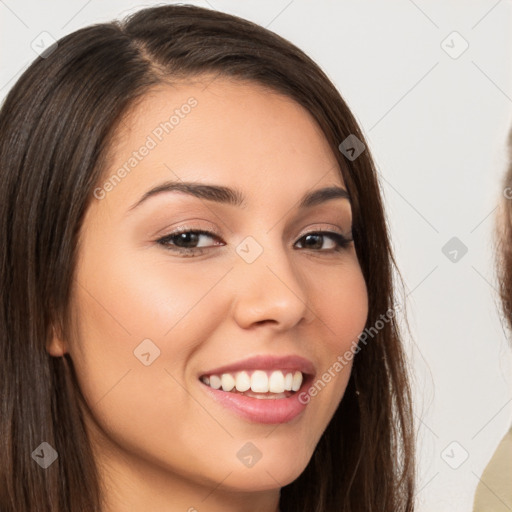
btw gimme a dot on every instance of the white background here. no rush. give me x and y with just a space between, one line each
437 128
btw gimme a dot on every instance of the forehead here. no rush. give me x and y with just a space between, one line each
225 131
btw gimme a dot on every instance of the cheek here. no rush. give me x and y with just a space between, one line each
138 295
131 306
133 403
340 301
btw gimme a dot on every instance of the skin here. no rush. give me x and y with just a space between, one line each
161 443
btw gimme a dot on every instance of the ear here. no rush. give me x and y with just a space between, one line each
56 346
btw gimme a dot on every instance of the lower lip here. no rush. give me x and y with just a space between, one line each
262 410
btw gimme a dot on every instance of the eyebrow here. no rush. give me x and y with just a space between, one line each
233 196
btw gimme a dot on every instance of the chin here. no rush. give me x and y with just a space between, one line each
276 472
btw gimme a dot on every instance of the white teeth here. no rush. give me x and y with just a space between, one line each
243 381
228 382
215 382
259 382
297 381
274 382
288 381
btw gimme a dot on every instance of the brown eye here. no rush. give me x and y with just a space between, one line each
315 241
186 241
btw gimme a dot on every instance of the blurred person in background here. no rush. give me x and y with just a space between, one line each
494 492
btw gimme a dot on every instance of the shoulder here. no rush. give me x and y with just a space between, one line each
494 491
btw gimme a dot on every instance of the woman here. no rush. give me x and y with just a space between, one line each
171 337
494 491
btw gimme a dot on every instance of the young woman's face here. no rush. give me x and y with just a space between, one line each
160 315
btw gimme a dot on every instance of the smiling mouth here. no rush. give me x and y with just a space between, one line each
261 384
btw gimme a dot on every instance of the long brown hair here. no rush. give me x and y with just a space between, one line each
56 125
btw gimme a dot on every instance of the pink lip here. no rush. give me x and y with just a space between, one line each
266 362
269 411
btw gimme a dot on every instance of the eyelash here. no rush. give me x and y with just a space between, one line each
341 241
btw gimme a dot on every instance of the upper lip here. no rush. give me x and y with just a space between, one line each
266 362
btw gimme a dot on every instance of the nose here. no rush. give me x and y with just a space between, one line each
271 290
